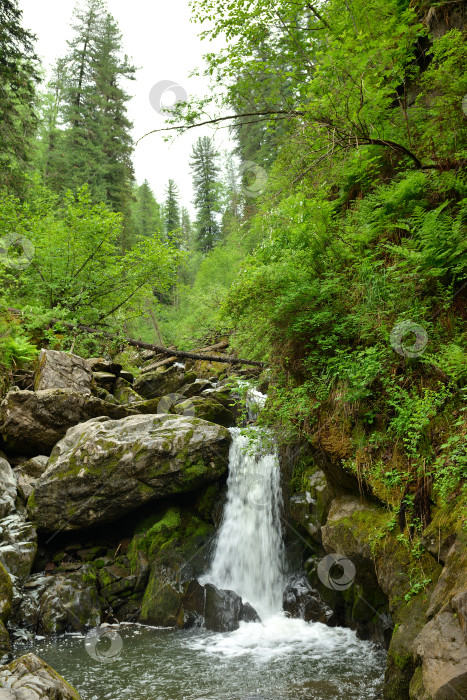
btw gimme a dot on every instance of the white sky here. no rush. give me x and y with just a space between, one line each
159 37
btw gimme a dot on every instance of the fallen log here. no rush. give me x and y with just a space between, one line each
156 348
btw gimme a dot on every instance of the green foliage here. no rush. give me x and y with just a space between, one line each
78 269
207 193
18 79
16 348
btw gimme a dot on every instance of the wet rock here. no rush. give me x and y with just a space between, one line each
161 602
441 650
222 609
61 370
7 488
18 546
160 383
193 603
30 678
300 600
59 603
31 422
103 468
206 409
249 614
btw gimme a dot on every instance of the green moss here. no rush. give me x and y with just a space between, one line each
6 595
207 500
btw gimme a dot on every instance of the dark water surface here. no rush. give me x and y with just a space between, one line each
281 659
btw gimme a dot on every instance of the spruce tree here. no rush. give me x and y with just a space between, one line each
18 79
146 212
172 210
95 146
207 189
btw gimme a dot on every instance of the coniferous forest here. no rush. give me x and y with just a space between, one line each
322 261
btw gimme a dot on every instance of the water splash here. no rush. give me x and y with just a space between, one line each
249 555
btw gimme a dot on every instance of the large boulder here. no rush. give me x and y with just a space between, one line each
224 610
160 383
441 650
30 678
31 423
103 469
62 370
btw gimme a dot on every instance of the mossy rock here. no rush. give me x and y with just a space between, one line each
172 541
124 392
5 643
207 409
161 603
29 671
152 384
103 469
6 594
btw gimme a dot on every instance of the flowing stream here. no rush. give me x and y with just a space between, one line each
276 659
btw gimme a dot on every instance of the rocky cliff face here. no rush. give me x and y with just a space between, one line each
410 595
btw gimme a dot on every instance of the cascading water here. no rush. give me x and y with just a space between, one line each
279 658
249 556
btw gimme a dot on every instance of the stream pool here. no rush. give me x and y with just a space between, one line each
280 659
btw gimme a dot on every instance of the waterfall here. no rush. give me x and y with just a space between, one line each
249 554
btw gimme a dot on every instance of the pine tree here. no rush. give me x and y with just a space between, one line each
172 210
207 192
146 212
18 79
95 147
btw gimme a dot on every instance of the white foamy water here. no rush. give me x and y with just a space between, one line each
249 555
279 636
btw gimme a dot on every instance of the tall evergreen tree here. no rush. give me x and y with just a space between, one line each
146 212
207 189
95 146
172 209
18 79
